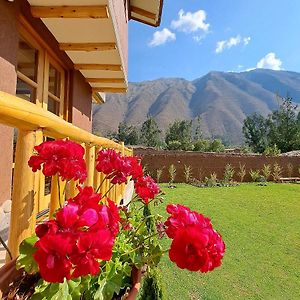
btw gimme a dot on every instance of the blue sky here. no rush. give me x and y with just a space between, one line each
198 36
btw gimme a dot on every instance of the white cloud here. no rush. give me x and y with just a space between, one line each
161 37
231 42
190 22
246 40
270 61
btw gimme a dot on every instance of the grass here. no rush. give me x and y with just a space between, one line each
261 229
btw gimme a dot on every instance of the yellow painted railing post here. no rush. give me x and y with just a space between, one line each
23 212
57 194
90 163
97 175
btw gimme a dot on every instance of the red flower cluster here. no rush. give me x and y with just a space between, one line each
196 246
82 233
146 188
117 167
64 158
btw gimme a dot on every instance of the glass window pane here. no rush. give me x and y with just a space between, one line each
27 60
53 106
25 91
54 81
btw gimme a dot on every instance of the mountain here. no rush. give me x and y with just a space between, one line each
221 99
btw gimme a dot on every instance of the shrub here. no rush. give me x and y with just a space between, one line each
266 171
290 169
172 174
242 172
228 173
159 174
187 173
212 180
272 150
217 146
202 145
277 171
254 175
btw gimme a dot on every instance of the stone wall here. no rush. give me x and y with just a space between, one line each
204 164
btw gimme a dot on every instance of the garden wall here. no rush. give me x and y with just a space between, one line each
204 164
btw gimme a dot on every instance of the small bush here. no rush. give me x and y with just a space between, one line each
211 181
242 172
159 174
266 171
277 171
228 173
272 150
172 174
255 175
187 173
290 169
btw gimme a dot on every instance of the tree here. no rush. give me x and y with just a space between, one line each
255 132
284 126
280 129
127 134
179 134
150 133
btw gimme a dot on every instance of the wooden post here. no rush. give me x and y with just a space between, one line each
90 162
23 212
97 175
57 195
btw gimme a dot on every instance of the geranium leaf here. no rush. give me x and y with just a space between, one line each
25 259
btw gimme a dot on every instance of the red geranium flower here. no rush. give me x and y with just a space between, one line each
146 188
182 216
64 158
49 227
90 249
136 169
51 256
197 249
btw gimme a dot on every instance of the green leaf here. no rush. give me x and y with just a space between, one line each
25 259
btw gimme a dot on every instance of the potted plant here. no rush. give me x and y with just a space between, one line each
92 249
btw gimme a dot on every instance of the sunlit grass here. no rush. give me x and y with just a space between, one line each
261 229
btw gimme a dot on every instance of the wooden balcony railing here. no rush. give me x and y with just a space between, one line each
28 194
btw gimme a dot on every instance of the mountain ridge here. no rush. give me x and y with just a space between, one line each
221 99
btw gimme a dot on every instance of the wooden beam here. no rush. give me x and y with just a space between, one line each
94 12
143 12
109 90
105 80
87 46
103 67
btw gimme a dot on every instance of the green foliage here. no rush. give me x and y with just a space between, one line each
266 171
172 173
217 146
127 134
290 169
281 129
272 150
228 173
152 288
277 172
179 136
255 131
255 175
242 172
202 145
25 259
187 173
150 133
68 290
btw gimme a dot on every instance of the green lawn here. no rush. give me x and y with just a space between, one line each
261 229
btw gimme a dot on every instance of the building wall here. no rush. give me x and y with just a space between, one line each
8 79
81 102
204 164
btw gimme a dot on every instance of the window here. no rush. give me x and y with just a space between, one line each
41 79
